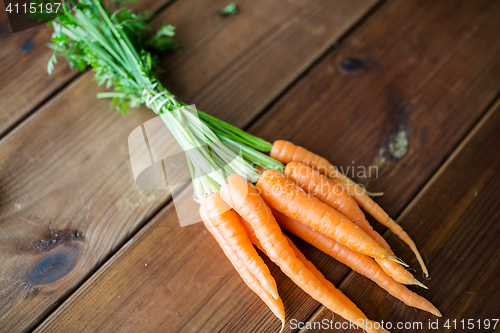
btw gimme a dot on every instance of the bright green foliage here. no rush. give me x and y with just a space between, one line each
229 10
115 45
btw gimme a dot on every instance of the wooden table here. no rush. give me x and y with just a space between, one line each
409 86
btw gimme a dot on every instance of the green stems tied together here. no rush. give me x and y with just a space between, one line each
121 55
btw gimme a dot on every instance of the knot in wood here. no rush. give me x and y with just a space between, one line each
54 265
350 65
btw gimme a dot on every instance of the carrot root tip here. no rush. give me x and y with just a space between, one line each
403 263
420 284
435 311
282 325
374 194
399 261
404 236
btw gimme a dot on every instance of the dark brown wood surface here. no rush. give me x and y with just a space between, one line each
428 80
23 69
455 222
65 179
233 67
425 71
23 64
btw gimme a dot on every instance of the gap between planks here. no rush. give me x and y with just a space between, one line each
490 110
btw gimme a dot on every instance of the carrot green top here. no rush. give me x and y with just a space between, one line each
116 46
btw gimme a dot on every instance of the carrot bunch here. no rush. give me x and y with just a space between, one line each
309 197
321 209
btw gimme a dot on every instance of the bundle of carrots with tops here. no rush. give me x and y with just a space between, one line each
252 190
317 209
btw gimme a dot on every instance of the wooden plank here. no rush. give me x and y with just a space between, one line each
23 69
459 236
23 64
67 200
395 83
272 37
189 285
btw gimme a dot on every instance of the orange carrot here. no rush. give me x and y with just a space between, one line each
247 202
285 152
360 263
340 295
343 298
251 235
229 226
285 196
372 208
275 305
325 190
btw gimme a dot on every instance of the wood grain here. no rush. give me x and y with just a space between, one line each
68 197
396 86
432 80
23 69
271 36
455 221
